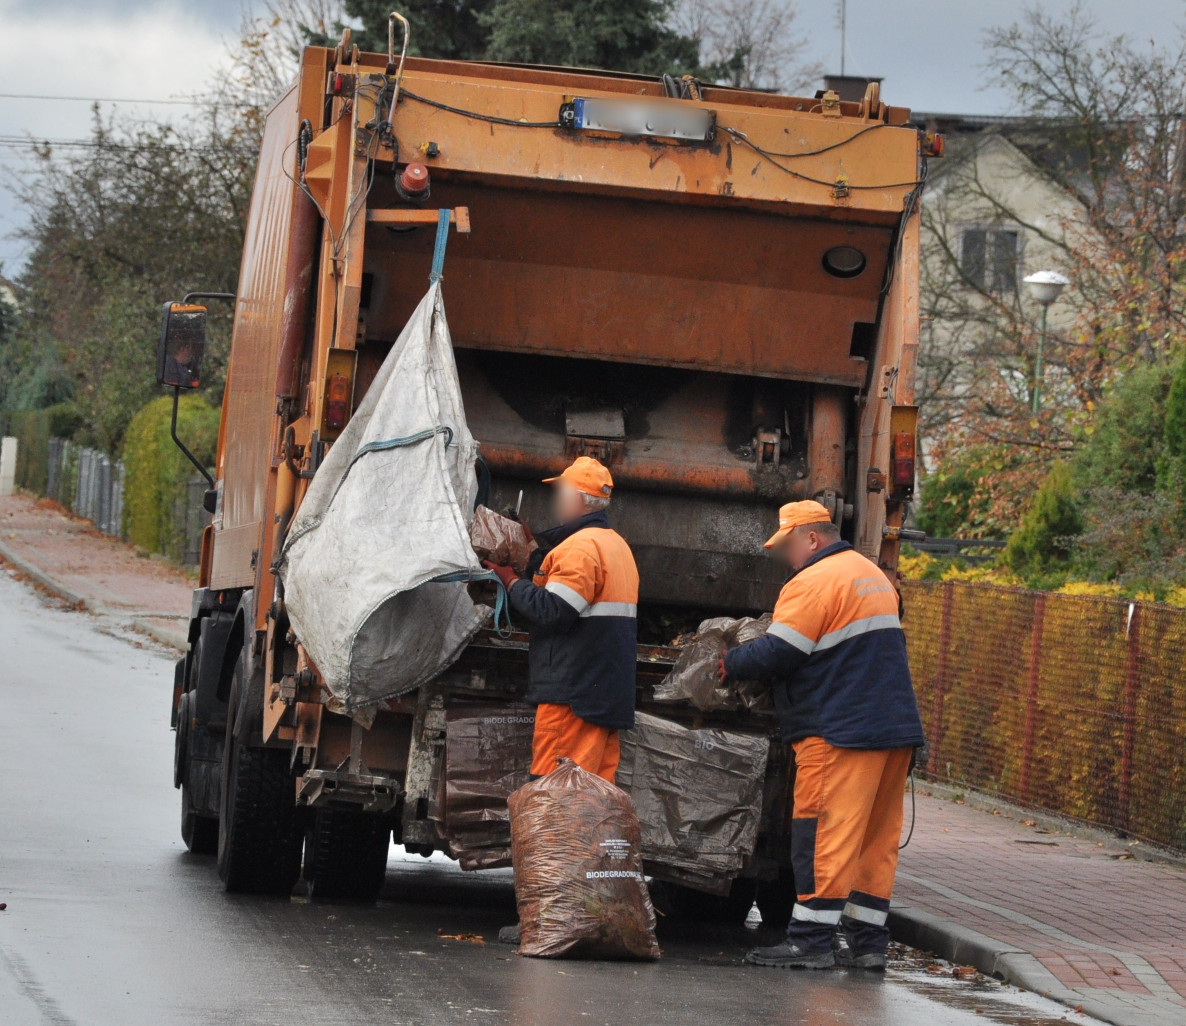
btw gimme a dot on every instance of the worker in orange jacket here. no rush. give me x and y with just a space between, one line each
836 657
581 606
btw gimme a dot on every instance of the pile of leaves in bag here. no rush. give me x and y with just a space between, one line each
501 539
694 676
578 869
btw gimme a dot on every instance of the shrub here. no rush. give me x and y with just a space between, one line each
33 429
1043 545
156 472
1123 447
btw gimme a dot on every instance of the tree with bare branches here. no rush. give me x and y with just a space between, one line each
750 44
1088 180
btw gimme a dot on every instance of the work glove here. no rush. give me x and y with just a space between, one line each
722 673
504 573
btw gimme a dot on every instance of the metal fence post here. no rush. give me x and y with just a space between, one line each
117 500
52 469
1132 689
942 683
103 499
1032 691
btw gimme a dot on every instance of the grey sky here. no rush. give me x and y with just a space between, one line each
928 51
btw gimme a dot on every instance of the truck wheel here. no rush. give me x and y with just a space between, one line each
346 855
199 830
776 898
259 840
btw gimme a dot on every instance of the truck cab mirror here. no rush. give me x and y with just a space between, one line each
181 346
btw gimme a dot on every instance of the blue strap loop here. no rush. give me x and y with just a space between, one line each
502 612
438 253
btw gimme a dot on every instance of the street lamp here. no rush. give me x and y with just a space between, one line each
1045 287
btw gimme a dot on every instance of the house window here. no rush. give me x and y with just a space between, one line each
988 258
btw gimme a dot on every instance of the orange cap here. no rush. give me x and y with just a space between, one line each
588 476
796 514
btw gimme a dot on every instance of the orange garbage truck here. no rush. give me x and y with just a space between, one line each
713 291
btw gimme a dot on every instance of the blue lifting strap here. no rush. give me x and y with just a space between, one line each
438 253
502 613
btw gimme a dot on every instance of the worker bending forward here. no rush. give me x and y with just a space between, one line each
836 657
581 606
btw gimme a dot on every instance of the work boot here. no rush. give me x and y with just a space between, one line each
790 956
509 935
874 961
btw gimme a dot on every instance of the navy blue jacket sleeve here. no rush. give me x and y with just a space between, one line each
541 607
763 658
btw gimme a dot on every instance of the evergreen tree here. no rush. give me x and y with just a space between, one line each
1042 546
619 35
445 29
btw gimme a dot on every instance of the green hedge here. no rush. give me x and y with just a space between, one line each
156 472
33 430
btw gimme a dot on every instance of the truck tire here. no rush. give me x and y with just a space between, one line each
346 855
260 838
197 778
776 898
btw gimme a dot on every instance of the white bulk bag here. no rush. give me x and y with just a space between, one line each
386 514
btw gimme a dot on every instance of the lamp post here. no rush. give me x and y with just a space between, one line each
1044 287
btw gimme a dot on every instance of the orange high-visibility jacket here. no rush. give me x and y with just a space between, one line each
582 610
836 656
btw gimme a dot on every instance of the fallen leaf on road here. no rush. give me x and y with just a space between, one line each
465 938
1028 822
964 972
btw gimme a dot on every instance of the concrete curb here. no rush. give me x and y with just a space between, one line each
170 637
964 946
51 584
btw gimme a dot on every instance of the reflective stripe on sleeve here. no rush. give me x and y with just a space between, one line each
792 637
830 916
567 594
612 609
886 621
873 916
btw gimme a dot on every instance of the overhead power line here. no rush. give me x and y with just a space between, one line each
195 102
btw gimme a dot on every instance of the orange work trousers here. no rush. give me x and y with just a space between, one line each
559 732
849 806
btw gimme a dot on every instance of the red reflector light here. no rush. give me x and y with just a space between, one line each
337 402
934 144
339 83
903 461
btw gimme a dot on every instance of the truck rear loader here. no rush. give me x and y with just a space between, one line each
711 290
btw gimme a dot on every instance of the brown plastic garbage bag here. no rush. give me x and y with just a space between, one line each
578 869
487 756
698 792
694 676
500 539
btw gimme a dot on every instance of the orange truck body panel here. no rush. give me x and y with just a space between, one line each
701 258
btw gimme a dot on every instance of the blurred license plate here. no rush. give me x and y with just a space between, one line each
671 120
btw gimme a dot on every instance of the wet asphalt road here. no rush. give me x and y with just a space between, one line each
110 921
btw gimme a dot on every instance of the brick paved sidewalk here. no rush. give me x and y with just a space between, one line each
100 574
1076 917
